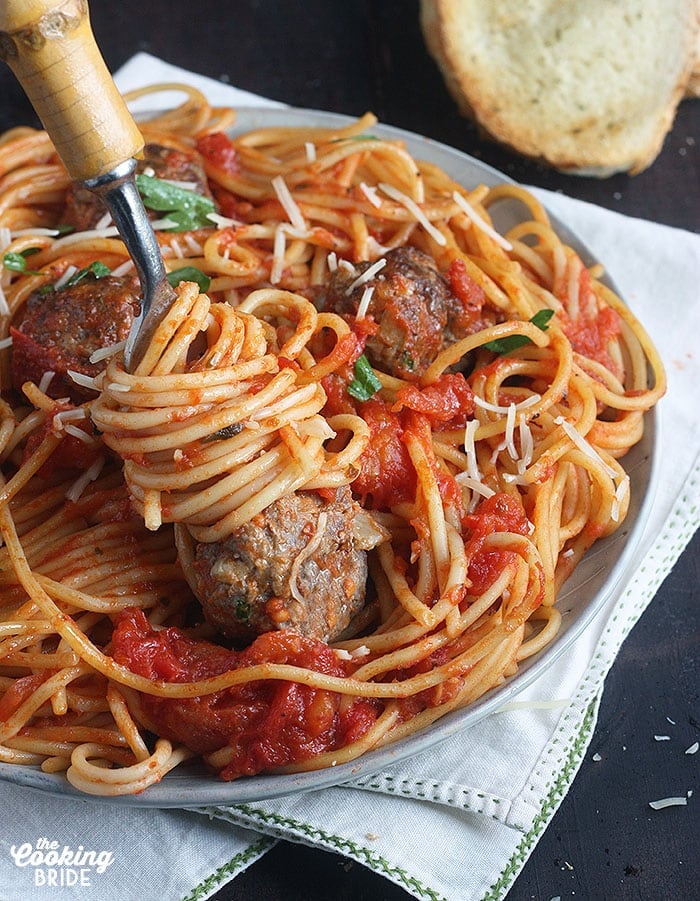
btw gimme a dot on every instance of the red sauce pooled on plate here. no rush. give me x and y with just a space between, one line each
267 723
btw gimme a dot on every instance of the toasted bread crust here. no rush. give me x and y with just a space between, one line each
590 88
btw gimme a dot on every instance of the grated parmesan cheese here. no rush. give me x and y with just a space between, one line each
346 265
67 275
222 221
6 342
527 445
662 738
193 244
85 381
668 802
75 237
365 276
470 450
68 416
370 193
620 492
39 232
332 261
104 353
80 484
415 211
310 149
78 433
474 485
479 221
583 445
45 381
497 408
693 749
510 432
288 203
163 224
278 247
123 268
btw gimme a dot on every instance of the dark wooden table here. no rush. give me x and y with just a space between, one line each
349 57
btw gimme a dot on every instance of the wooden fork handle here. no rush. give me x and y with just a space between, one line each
50 47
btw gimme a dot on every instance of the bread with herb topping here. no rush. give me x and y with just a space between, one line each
588 87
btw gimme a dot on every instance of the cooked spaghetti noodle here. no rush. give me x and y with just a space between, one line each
489 473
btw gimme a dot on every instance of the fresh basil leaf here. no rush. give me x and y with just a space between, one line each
513 342
189 274
187 209
541 319
17 262
96 269
365 384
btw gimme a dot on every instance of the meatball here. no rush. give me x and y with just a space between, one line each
84 209
62 328
299 564
413 306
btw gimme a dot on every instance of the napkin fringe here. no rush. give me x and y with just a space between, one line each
449 794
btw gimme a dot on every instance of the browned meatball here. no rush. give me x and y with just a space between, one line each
263 577
411 304
417 313
62 328
84 209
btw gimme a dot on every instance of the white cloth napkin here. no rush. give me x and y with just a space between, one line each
483 797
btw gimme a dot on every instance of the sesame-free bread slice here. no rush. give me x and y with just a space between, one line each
589 86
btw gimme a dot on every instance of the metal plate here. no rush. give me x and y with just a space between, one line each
592 584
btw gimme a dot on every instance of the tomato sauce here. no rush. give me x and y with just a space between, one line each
448 403
387 476
71 453
591 331
471 295
498 513
219 150
267 723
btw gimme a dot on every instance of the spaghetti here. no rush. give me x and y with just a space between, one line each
486 473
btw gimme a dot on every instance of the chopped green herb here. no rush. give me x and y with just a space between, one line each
512 342
189 274
96 269
186 209
17 262
365 384
242 608
64 229
228 431
407 361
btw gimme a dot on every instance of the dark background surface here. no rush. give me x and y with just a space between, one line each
352 56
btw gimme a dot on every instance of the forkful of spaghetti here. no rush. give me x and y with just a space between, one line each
50 47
